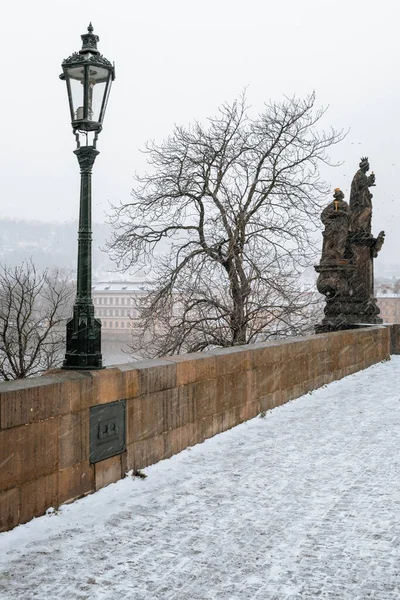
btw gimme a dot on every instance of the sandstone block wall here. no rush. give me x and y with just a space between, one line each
171 404
395 339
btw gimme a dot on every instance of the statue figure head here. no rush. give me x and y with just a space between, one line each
364 164
338 194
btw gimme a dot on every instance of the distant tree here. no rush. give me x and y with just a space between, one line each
33 306
396 287
236 203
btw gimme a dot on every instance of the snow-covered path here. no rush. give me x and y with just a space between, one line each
304 503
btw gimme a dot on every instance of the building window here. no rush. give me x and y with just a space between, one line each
122 301
116 323
122 324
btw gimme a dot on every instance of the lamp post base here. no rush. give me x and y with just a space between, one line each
83 340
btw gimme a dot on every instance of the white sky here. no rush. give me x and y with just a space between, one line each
177 61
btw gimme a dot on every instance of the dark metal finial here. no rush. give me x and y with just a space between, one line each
89 40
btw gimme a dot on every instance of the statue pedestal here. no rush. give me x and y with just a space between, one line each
334 282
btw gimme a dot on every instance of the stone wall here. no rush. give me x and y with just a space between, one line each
395 339
170 404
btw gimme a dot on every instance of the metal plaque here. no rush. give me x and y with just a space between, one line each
107 430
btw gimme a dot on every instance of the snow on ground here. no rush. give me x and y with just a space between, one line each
301 504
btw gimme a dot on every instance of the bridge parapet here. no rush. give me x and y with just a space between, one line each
171 404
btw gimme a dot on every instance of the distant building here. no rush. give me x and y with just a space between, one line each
114 303
389 304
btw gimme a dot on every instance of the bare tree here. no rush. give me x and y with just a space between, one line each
33 308
233 205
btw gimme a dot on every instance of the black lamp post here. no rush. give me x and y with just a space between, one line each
88 76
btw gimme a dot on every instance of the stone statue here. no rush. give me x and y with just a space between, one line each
361 198
336 218
346 270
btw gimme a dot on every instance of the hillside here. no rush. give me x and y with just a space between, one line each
50 244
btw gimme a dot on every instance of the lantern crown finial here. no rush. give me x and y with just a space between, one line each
89 41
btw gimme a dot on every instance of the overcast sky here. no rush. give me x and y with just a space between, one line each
177 61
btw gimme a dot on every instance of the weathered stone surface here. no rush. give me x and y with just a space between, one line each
156 375
74 438
265 354
10 457
232 360
234 389
169 410
267 379
191 368
75 481
38 447
249 410
37 496
197 400
108 386
107 471
75 389
130 380
9 509
395 339
40 398
152 414
39 401
145 452
270 401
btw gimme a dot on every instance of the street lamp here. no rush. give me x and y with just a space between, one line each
88 76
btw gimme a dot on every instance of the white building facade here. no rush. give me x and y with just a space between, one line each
115 304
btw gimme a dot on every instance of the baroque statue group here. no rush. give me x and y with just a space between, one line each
346 273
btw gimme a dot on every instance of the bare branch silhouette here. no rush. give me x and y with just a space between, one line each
33 308
225 217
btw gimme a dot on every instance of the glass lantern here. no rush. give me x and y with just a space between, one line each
88 76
